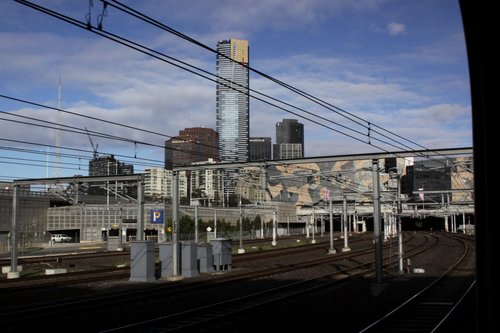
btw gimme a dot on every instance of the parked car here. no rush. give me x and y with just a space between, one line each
60 238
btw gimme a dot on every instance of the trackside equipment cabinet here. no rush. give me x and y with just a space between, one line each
142 261
205 258
222 253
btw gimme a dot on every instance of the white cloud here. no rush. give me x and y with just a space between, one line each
253 16
136 90
440 114
395 29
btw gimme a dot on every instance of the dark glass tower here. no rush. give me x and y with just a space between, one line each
289 139
260 149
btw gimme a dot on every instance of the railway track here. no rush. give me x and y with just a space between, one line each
428 309
322 272
99 271
288 287
123 273
258 243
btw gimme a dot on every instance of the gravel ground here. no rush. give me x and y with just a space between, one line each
352 306
345 308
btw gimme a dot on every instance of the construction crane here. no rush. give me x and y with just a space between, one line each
94 148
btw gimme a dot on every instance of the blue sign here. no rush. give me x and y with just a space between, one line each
157 216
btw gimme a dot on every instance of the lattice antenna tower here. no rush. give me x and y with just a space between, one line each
57 171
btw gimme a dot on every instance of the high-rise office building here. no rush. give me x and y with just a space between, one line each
289 139
108 165
157 183
232 106
260 149
232 100
206 186
283 151
193 144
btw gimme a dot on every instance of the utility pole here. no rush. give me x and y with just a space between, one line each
140 210
400 229
346 247
313 225
14 274
175 222
196 224
273 243
332 248
215 223
241 249
376 220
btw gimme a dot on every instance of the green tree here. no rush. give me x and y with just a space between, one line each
185 201
186 224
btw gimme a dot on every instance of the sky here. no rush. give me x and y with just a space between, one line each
399 66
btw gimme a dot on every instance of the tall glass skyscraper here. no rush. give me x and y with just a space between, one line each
232 107
232 100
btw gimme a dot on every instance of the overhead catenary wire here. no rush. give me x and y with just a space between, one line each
24 101
342 112
81 132
43 152
233 84
145 50
10 162
181 64
78 130
89 152
346 182
329 106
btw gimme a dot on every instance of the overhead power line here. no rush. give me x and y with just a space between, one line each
77 130
369 126
137 160
24 101
202 73
363 137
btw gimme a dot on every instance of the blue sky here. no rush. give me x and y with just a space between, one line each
401 65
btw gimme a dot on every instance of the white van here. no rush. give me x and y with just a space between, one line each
60 238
